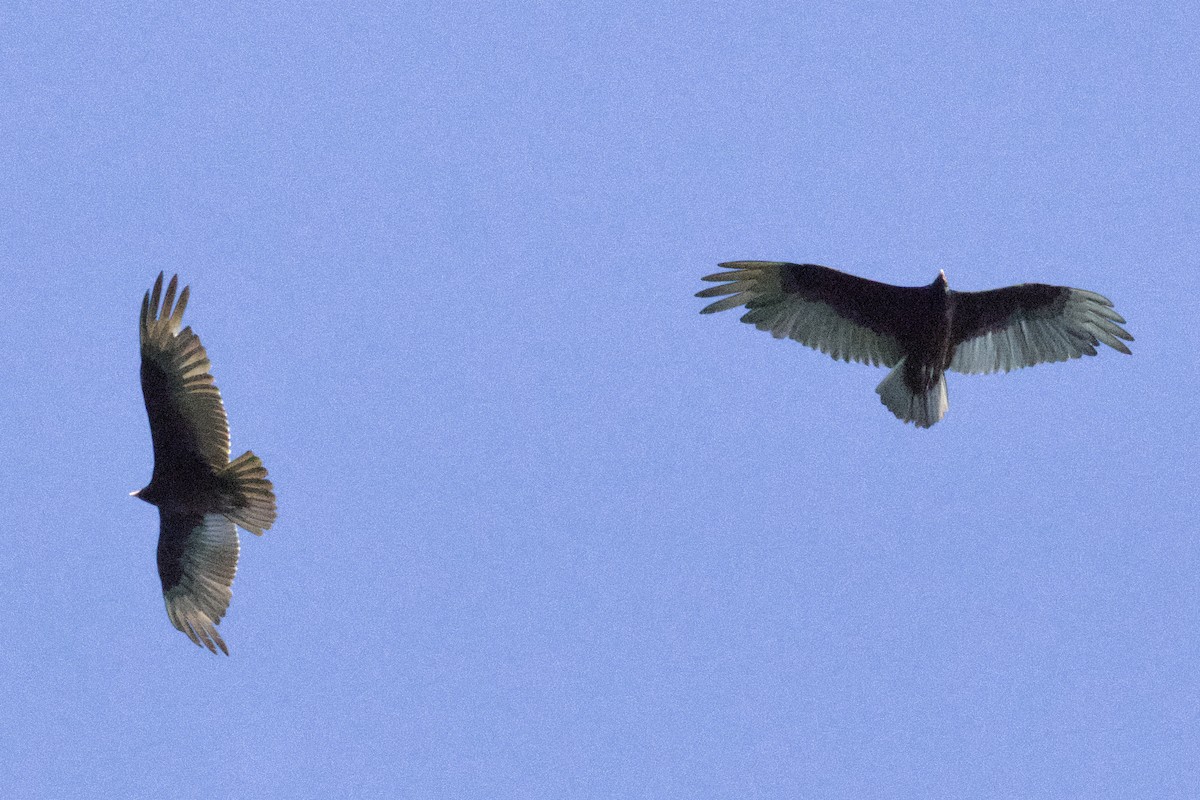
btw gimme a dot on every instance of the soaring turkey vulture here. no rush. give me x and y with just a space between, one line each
919 331
201 495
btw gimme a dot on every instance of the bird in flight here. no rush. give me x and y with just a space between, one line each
201 495
918 331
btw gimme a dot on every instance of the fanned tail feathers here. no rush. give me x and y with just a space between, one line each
924 409
252 496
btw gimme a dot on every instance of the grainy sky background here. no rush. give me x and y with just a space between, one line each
544 530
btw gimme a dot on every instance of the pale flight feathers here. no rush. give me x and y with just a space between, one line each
757 286
184 364
208 564
1070 329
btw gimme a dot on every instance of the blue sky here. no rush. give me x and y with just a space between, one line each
544 530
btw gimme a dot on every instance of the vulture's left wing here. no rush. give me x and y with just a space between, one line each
187 418
1033 323
850 318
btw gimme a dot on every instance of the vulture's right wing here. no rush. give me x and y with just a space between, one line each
1031 323
197 559
850 318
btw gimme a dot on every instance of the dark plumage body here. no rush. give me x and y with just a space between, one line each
200 494
919 331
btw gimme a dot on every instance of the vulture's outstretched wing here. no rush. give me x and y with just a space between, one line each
850 318
1019 326
187 418
197 559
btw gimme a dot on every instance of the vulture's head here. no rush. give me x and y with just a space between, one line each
940 282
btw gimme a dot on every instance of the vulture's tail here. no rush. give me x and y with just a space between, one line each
252 498
922 409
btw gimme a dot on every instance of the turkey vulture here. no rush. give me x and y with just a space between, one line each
201 495
919 331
